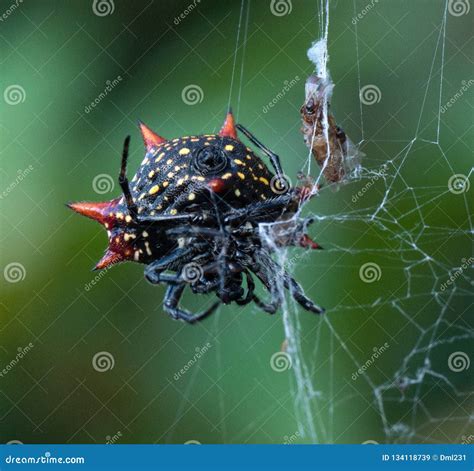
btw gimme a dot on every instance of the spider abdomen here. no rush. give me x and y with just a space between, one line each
180 173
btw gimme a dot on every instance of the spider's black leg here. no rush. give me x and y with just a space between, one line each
264 209
265 274
153 271
271 307
172 297
250 289
159 277
267 265
274 158
123 181
174 219
297 292
194 231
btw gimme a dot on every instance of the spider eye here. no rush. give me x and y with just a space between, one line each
210 160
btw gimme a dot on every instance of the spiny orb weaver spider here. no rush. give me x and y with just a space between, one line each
193 212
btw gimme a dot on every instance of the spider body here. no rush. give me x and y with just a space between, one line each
178 175
193 212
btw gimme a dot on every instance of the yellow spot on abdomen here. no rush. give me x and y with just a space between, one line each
173 212
147 247
191 196
241 175
184 151
264 180
238 162
226 176
154 189
229 147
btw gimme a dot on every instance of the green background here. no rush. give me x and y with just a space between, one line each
62 54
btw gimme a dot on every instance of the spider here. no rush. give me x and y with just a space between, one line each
193 215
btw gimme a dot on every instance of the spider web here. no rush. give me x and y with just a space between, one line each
410 348
401 398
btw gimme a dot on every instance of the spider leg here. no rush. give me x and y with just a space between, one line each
268 266
267 277
153 271
170 305
264 209
274 158
194 231
159 277
298 294
123 181
270 308
194 218
250 289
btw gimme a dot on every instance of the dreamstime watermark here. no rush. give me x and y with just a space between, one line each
465 264
377 352
287 86
370 272
14 272
192 272
291 261
459 361
103 7
370 94
372 180
280 361
44 459
22 352
103 361
280 184
14 442
200 351
88 286
10 10
467 439
370 442
14 95
465 86
22 174
281 7
109 86
192 442
111 439
103 183
459 7
186 12
192 94
458 183
364 11
289 439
